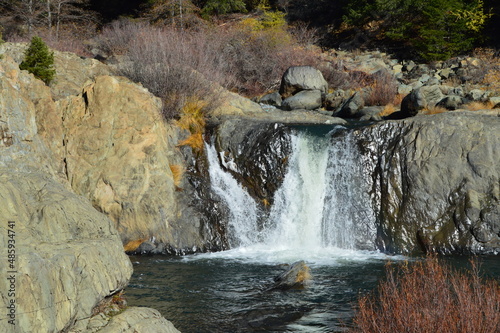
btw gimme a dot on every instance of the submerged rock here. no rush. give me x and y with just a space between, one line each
295 277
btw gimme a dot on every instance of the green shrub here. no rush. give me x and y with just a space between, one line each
39 61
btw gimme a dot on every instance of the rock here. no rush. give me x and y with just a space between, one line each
440 182
258 149
234 104
351 107
404 89
477 95
409 66
69 257
433 81
421 98
451 102
397 69
445 73
334 100
295 277
138 320
424 78
273 99
495 101
370 113
306 100
298 78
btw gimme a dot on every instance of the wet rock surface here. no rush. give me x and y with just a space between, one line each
436 182
255 153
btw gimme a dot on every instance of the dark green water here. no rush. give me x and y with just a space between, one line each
220 294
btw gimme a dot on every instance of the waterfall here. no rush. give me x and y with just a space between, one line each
242 207
322 203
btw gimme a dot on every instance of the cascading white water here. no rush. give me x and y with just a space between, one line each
322 200
242 208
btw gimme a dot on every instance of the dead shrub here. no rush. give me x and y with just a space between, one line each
429 296
176 64
476 106
433 110
383 90
177 173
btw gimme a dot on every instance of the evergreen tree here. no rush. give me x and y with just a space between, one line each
39 61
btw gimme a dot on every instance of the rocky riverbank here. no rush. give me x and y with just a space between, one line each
65 258
90 168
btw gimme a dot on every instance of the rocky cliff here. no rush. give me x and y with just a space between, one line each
61 258
435 180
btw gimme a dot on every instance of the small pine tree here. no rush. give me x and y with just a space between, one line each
39 61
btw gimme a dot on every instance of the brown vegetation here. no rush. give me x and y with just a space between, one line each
133 245
428 296
177 64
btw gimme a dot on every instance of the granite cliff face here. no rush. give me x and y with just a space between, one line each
68 257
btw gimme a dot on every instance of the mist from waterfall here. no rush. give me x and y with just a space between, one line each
322 206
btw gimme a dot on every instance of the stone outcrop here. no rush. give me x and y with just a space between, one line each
437 182
68 256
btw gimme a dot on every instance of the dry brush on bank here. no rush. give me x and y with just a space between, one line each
178 65
429 296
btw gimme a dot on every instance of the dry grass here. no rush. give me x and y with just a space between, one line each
383 90
476 106
133 245
433 110
195 141
177 173
388 109
192 119
428 296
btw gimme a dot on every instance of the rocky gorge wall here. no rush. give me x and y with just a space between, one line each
435 180
65 258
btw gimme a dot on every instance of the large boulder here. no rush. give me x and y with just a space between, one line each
303 100
116 150
425 97
437 182
299 78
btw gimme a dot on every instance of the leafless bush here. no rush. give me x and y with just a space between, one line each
258 60
429 296
178 64
383 90
173 64
304 34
